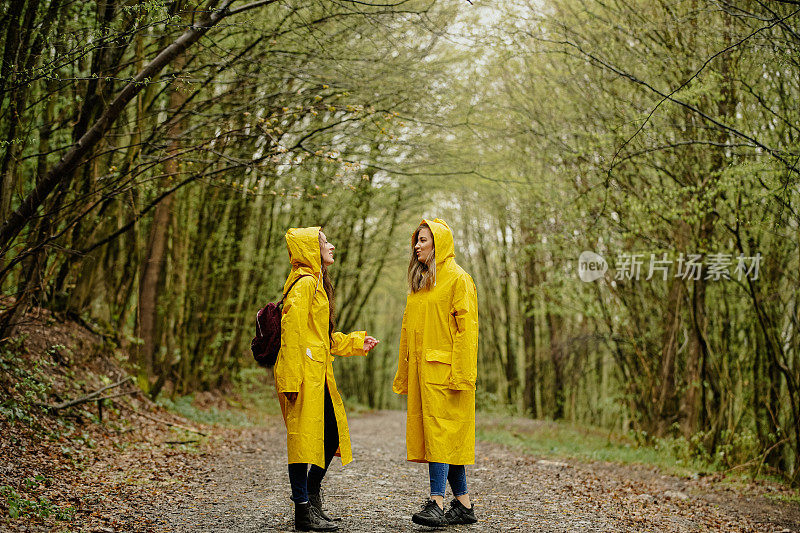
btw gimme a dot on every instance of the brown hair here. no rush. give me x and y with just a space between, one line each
328 286
421 275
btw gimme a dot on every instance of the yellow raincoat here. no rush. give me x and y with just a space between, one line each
438 362
305 359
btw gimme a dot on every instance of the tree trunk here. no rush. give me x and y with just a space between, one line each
558 353
512 377
155 255
528 276
666 409
691 407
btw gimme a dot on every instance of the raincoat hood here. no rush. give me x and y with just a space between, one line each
304 254
442 239
303 245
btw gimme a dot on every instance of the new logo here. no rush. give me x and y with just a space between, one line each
591 266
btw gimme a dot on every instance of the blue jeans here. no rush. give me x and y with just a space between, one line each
305 480
441 473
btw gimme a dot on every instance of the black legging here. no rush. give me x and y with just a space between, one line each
305 480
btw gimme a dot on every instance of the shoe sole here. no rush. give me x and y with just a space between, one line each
462 523
423 522
335 528
329 519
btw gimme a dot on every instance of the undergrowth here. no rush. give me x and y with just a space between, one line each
672 455
36 507
25 385
251 400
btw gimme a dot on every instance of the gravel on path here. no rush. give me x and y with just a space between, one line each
245 488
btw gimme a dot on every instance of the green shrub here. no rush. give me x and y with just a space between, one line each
184 406
492 403
39 507
28 384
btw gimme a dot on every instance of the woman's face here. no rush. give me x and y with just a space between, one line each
326 250
424 245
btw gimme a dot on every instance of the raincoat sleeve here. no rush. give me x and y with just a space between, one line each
347 345
400 384
464 368
294 322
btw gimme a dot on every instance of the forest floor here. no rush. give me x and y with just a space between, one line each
235 480
242 486
142 468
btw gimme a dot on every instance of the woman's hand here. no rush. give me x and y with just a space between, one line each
290 396
370 343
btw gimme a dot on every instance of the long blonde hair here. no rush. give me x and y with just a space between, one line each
421 275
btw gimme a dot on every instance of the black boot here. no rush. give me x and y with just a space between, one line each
306 518
315 499
431 515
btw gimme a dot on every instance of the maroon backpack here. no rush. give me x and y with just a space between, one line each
267 342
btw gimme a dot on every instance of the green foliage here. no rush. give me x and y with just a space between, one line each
576 150
255 395
251 399
492 403
286 123
26 383
37 507
735 449
569 441
185 407
672 455
788 498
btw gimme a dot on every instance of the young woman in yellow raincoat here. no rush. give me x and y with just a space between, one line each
437 369
312 408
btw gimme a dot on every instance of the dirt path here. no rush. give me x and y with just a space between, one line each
244 488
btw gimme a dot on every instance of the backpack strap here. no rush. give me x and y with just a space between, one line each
292 285
280 303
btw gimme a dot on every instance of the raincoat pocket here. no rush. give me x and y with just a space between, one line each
436 369
314 364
